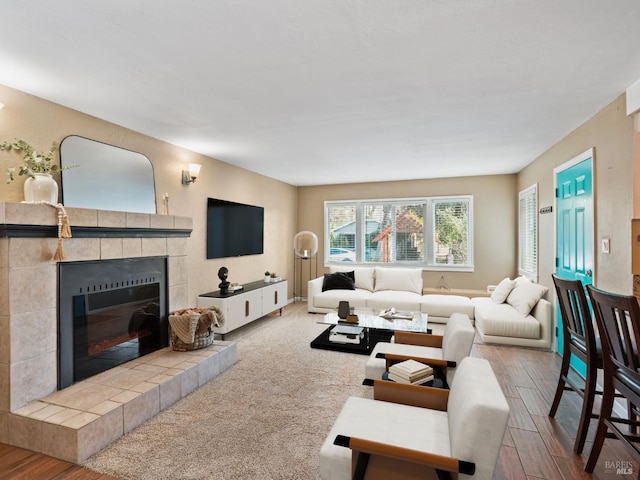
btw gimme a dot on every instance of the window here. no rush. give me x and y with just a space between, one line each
434 232
528 232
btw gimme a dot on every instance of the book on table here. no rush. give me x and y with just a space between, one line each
411 370
418 381
346 334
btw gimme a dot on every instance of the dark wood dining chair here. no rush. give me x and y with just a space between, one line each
579 340
618 320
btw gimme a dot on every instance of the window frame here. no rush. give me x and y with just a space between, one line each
530 194
428 262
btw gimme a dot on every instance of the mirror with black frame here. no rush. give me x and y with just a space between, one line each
107 177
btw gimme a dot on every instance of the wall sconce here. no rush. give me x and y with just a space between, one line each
189 176
1 106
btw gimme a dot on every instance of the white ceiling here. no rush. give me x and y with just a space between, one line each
332 91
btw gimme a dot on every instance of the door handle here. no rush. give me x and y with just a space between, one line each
589 273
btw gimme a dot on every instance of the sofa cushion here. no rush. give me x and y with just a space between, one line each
399 300
446 305
329 299
363 276
338 280
502 290
525 295
503 320
402 279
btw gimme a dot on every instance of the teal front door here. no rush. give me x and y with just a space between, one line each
575 228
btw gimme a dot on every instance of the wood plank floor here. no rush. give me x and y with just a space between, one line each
535 446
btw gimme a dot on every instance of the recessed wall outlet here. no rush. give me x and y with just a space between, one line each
605 245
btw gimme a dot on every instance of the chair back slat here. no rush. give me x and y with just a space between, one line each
618 318
575 311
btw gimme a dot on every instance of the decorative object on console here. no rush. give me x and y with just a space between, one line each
38 167
267 276
274 278
305 246
189 176
223 273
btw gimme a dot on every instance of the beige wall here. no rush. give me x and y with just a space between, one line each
40 122
495 220
289 209
610 133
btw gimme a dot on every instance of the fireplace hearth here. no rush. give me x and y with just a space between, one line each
109 312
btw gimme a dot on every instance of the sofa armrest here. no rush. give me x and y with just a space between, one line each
422 339
314 287
542 312
414 395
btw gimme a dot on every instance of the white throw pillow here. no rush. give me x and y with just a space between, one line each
502 290
525 295
402 279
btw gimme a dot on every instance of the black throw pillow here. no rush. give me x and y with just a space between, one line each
338 281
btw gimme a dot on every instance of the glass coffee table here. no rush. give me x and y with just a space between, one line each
370 329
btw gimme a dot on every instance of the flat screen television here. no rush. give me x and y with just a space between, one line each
234 229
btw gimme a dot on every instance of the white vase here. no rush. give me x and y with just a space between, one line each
41 188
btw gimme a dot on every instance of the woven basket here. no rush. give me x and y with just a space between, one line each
201 340
196 322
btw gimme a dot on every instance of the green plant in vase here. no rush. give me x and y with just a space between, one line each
32 161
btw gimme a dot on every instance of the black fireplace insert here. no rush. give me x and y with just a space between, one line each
109 312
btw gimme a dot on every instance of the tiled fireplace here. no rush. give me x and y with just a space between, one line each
79 420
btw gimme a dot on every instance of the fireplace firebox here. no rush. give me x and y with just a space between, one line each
109 312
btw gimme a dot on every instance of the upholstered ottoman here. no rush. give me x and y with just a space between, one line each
441 307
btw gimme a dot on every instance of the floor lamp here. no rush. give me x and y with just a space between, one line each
305 247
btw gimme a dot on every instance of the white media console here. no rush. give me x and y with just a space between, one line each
254 301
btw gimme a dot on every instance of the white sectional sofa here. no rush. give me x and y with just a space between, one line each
519 317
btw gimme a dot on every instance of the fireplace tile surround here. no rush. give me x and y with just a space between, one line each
76 422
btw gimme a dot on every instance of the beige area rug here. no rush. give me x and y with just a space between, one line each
264 418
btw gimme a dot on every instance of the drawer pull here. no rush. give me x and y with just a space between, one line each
275 297
246 308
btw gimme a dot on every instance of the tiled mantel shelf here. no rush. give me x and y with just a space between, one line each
76 422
